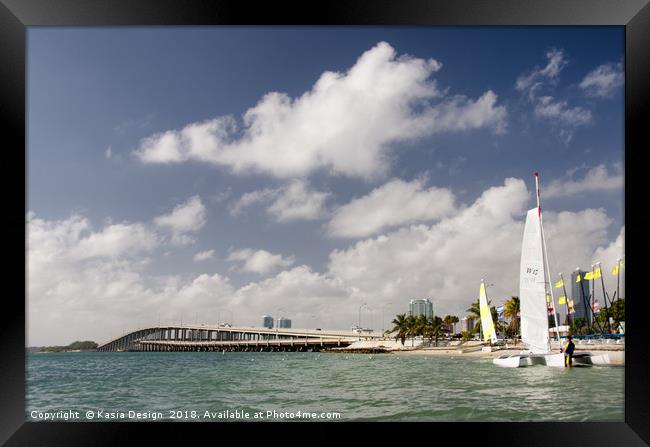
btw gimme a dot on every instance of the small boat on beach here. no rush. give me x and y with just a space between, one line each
535 292
487 325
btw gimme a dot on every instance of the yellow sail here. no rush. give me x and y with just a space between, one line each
489 334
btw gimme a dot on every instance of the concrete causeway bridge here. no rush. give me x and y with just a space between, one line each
200 337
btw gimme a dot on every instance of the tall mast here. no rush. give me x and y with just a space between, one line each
586 303
618 278
602 282
566 300
480 328
547 272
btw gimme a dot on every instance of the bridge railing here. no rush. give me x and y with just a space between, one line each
292 332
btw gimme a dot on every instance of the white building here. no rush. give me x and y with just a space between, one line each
466 324
267 321
284 322
421 307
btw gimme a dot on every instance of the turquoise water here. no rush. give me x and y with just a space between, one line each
357 386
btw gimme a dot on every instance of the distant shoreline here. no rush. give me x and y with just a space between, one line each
77 346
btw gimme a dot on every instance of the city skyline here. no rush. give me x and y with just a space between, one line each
211 170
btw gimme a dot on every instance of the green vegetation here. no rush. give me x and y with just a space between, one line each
511 310
616 311
74 346
434 327
431 328
449 322
400 327
581 326
475 313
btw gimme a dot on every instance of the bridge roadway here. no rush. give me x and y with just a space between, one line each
201 337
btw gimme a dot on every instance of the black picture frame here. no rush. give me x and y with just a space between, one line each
16 15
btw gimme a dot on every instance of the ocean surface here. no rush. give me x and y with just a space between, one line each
293 386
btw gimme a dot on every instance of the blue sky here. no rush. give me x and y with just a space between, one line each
320 186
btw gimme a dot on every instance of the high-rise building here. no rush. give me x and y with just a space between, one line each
466 324
267 321
580 293
284 322
421 307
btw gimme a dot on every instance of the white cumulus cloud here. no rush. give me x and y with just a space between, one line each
203 255
73 297
559 111
547 106
556 61
188 217
598 178
259 261
604 80
608 257
393 204
293 201
446 261
346 124
296 202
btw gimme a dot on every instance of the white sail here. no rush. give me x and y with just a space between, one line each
532 288
489 334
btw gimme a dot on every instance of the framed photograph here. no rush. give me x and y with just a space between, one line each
362 212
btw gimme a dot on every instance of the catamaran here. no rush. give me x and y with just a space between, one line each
535 294
487 325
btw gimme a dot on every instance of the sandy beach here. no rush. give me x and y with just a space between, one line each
451 352
469 349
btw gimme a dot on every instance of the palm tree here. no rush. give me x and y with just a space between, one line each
413 328
420 325
400 327
511 310
434 326
454 320
449 322
475 314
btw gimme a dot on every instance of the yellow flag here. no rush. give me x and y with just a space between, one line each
615 270
597 273
589 275
559 284
562 300
548 299
578 279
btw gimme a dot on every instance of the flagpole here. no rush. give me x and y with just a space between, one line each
479 308
602 282
547 272
618 277
566 300
585 301
593 296
480 328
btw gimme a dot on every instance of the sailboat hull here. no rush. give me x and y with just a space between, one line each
519 360
616 358
522 360
556 360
